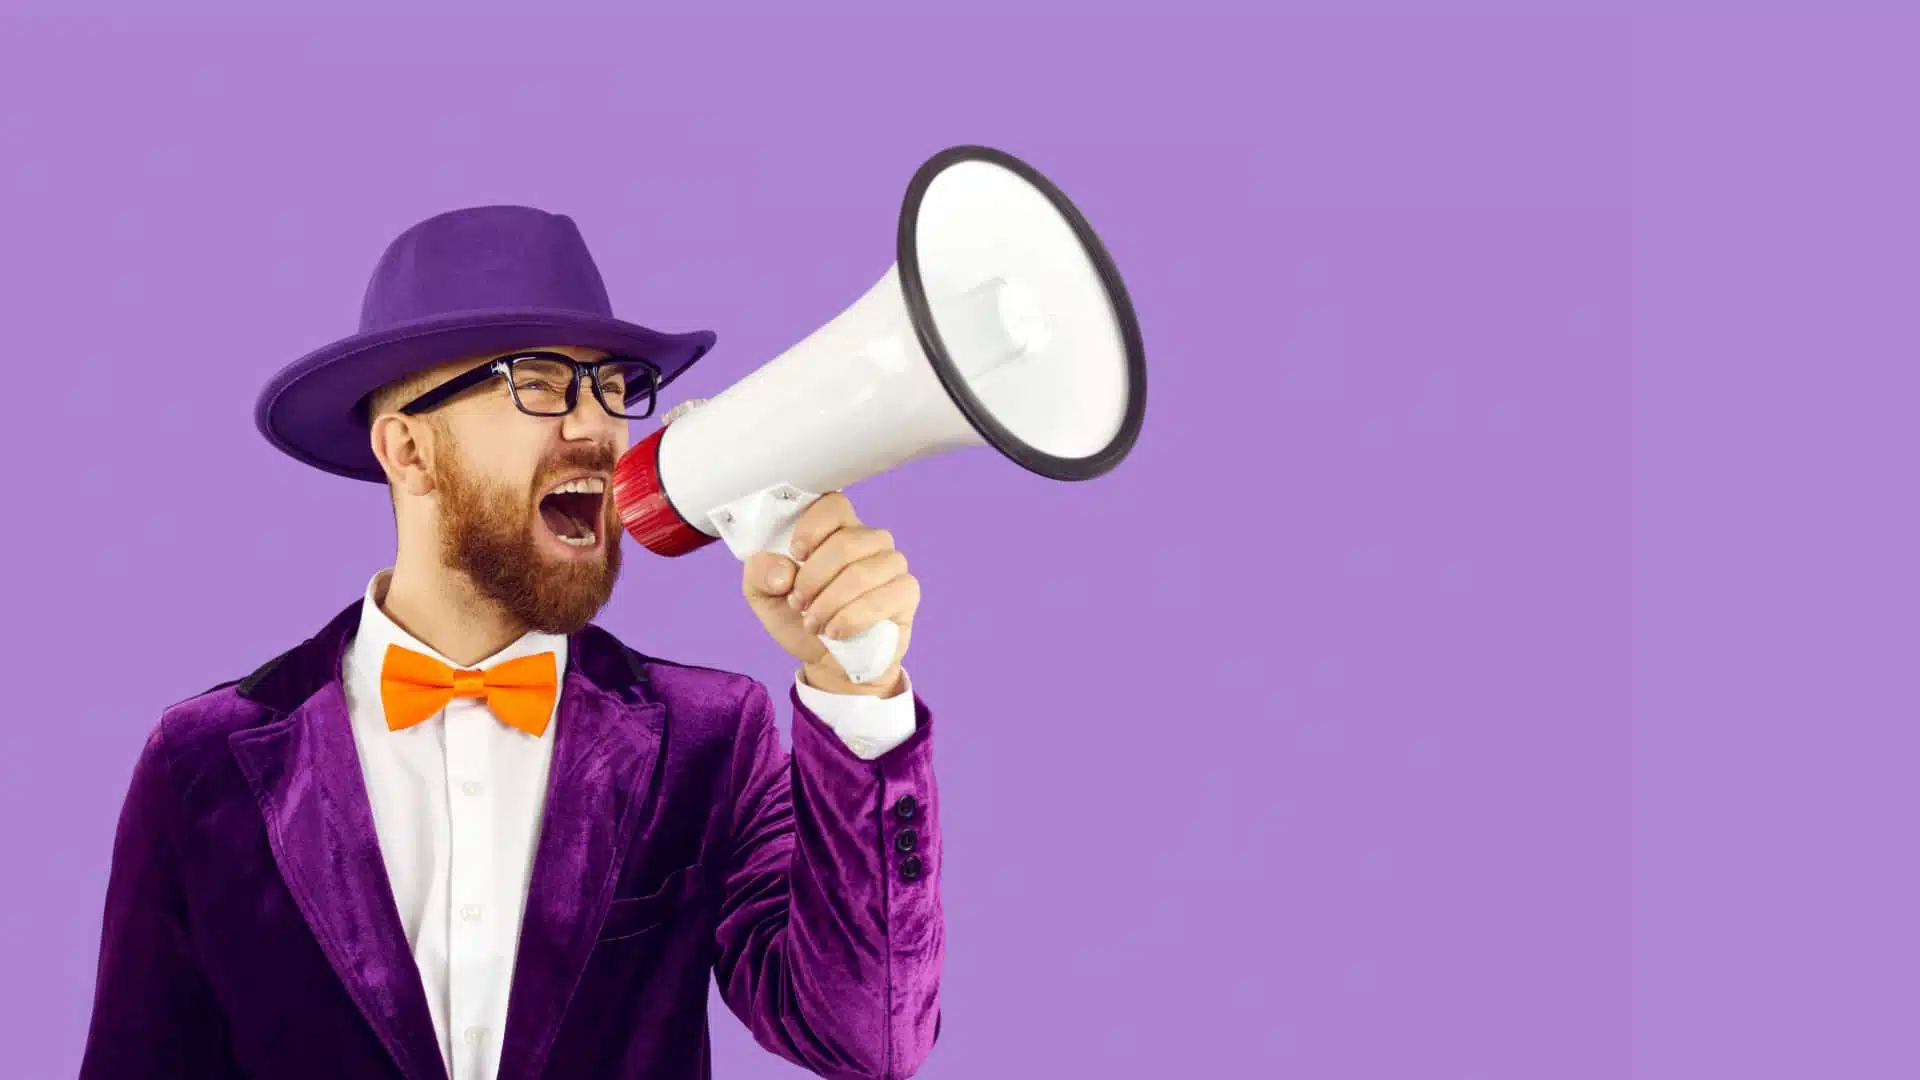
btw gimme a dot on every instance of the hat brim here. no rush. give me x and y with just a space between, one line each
310 409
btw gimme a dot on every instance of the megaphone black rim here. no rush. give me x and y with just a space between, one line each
998 435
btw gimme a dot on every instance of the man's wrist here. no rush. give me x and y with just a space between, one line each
826 677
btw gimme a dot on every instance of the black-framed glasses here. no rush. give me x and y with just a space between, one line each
548 384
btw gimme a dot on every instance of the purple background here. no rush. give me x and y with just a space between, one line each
1776 364
1490 664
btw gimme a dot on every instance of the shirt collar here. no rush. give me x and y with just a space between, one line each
376 631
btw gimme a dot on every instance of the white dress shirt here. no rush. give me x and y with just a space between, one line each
457 802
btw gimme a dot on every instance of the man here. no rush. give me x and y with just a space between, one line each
462 831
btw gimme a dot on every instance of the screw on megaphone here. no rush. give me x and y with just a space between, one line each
681 409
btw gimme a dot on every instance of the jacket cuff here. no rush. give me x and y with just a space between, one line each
900 787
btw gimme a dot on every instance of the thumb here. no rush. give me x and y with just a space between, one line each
768 576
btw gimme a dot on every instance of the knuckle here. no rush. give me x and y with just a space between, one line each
818 592
872 572
821 540
852 585
831 507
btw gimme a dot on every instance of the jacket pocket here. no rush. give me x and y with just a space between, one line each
636 915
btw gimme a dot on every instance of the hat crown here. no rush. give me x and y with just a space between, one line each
484 258
472 282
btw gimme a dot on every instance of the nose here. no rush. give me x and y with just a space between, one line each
588 422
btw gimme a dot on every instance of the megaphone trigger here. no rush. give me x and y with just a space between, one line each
763 521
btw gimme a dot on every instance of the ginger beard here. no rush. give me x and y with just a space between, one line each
501 539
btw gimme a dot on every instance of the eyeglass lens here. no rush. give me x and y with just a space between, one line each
540 385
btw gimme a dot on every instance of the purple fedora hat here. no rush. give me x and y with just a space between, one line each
486 279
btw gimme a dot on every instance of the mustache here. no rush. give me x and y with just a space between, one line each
598 458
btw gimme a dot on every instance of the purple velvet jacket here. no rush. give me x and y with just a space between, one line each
250 930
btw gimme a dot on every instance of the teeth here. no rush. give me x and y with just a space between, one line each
591 485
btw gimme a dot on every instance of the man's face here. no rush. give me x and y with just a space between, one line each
548 557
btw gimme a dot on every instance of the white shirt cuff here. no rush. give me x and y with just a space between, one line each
869 725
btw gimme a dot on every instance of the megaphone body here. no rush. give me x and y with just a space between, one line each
1002 323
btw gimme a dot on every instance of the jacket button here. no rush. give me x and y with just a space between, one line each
905 807
907 840
910 867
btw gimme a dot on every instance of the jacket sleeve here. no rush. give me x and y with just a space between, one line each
154 1017
831 937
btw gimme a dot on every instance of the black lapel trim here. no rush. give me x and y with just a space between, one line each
251 683
284 682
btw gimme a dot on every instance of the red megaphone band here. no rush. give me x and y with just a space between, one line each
645 511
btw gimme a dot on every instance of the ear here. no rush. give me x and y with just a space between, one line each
404 446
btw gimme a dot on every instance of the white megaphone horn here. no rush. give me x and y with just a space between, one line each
1002 323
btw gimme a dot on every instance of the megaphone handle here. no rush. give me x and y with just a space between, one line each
764 521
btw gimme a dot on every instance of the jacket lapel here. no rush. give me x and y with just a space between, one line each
605 760
304 770
305 774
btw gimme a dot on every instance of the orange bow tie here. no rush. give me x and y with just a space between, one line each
520 692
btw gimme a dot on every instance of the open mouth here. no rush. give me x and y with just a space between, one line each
572 511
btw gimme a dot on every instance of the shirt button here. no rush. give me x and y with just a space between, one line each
471 787
471 912
473 1036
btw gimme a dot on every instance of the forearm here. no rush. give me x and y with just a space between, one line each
833 955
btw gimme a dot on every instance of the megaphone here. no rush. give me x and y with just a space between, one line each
1002 323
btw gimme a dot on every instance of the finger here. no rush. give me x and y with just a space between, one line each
855 580
842 549
828 513
767 575
896 600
